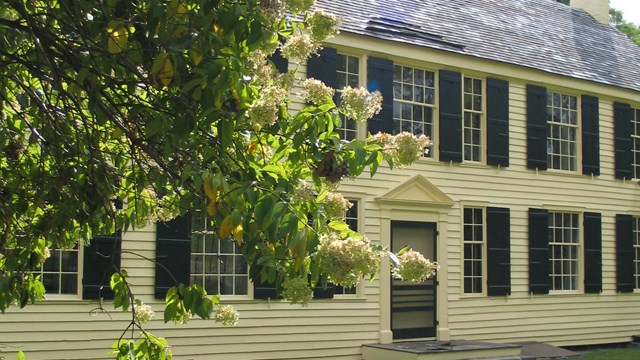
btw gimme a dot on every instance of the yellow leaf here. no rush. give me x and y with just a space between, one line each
118 36
195 55
162 69
209 190
212 208
226 227
217 29
237 234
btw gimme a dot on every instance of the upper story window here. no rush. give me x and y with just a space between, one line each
635 139
414 102
562 131
348 74
474 248
60 273
216 264
564 250
472 118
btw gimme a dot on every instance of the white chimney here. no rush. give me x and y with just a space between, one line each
599 9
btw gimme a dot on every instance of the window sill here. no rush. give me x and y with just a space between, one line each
567 173
565 292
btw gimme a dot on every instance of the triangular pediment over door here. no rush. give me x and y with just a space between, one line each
417 190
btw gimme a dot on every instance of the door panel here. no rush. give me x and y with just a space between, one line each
413 306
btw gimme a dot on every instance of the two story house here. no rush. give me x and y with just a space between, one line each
529 198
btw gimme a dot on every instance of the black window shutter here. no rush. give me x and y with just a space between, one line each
624 253
173 254
538 251
497 122
622 115
101 259
281 64
323 66
590 135
592 253
450 116
498 252
380 78
536 127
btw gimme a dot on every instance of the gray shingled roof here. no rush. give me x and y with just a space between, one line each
540 34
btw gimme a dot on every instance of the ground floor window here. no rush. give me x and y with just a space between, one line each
564 246
473 243
217 264
60 272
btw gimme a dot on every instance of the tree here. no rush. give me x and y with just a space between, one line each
169 107
632 30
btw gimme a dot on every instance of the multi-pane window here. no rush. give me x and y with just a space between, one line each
472 126
564 246
348 75
413 101
636 251
473 243
59 273
351 219
217 264
635 139
562 131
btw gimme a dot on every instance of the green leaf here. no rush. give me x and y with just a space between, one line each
20 355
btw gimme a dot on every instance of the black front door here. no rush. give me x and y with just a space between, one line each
413 306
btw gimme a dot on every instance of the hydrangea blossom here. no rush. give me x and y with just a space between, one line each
415 268
265 109
359 104
299 47
303 192
336 206
323 25
297 291
404 148
316 91
227 315
143 312
273 9
345 261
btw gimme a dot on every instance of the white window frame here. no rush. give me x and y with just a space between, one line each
557 234
555 108
481 257
635 142
399 101
356 291
203 254
467 127
79 273
344 128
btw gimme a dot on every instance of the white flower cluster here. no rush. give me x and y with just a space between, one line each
297 291
265 109
227 315
359 104
143 312
415 268
323 25
404 148
316 91
303 192
335 206
299 47
273 9
345 261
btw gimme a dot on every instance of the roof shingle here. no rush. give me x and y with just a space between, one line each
539 34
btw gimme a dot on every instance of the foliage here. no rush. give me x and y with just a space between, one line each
167 107
630 29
